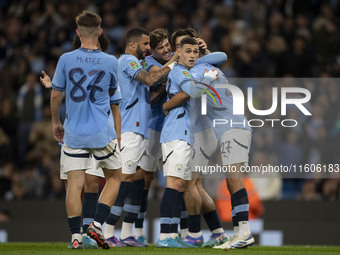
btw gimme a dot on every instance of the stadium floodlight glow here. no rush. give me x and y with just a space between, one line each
238 100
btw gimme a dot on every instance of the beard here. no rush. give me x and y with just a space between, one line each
139 52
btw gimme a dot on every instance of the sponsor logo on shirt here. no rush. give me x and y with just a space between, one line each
144 64
134 65
186 74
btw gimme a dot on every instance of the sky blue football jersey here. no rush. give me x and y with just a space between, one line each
219 104
117 97
215 58
135 104
157 116
86 77
177 123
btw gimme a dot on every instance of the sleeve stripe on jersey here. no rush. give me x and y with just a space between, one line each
149 67
184 81
115 101
137 72
57 88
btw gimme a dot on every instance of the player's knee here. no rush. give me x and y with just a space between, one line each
191 185
127 177
77 187
199 183
177 184
92 183
200 189
182 185
234 184
91 188
149 176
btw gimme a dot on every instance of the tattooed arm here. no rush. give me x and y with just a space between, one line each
151 78
157 74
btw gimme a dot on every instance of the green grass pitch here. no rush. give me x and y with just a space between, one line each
61 248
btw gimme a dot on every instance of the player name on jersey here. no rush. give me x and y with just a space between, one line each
87 60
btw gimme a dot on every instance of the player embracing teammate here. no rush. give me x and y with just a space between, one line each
89 137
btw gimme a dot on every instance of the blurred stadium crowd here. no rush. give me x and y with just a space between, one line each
273 38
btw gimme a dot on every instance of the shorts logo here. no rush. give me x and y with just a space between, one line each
129 164
186 74
179 167
134 65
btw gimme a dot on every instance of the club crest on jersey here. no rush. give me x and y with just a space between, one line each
179 167
144 64
186 74
134 65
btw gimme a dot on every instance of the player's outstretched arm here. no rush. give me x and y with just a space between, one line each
58 130
45 80
153 76
156 94
216 58
173 60
180 98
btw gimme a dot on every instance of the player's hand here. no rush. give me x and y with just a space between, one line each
212 74
171 63
165 108
171 66
45 80
174 57
201 44
162 89
58 132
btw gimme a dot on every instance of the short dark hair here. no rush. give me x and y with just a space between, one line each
157 36
188 40
88 23
180 32
136 33
88 19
